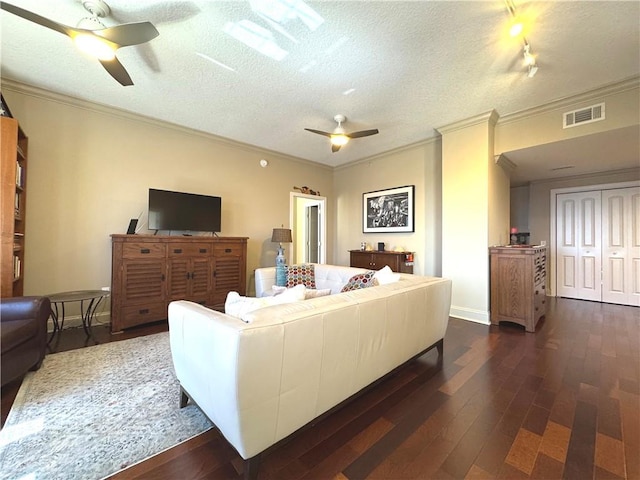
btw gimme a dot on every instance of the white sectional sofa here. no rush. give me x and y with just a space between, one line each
261 379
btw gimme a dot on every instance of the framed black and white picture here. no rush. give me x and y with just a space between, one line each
4 108
389 211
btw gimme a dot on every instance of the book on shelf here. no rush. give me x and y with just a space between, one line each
17 264
19 175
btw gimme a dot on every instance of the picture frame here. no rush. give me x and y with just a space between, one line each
389 211
4 108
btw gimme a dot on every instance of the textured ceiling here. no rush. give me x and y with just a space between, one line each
405 68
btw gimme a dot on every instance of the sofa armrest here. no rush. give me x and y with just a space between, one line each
37 309
265 279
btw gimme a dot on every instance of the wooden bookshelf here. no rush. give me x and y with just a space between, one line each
13 203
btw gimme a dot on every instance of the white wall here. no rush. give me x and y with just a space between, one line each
90 169
417 165
471 187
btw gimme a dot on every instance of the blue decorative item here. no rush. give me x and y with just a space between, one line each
281 235
281 273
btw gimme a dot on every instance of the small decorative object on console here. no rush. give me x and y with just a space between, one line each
306 190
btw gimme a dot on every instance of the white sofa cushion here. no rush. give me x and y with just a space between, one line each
238 306
385 276
308 293
327 276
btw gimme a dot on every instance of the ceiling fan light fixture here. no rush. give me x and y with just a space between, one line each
94 46
339 140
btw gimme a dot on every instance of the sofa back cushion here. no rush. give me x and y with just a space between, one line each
326 276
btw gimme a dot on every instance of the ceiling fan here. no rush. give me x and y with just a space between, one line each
93 37
339 137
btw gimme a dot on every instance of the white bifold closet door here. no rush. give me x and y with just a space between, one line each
598 245
621 246
578 255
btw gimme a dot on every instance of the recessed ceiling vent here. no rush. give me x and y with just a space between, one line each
591 114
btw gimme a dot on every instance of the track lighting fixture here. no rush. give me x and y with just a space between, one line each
517 29
529 60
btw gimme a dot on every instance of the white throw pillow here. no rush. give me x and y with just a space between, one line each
277 289
315 293
385 275
237 305
308 293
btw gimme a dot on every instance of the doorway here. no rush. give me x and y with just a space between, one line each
308 228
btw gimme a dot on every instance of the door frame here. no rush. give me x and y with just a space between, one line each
296 197
551 253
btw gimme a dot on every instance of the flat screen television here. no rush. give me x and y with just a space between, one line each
184 211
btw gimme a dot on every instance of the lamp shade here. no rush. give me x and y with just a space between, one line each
281 235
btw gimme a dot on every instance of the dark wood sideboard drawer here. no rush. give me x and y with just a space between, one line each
136 315
221 249
190 249
143 250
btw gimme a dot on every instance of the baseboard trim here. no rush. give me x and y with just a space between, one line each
73 321
471 315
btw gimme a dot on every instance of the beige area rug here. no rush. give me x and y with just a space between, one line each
89 413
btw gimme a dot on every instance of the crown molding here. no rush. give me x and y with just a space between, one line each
631 83
624 171
47 95
421 143
490 117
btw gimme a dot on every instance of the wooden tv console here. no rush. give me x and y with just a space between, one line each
149 271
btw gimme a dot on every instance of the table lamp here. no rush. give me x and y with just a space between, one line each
281 235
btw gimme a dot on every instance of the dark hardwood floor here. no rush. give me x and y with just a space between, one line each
561 403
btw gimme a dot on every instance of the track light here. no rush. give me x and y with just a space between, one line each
516 30
529 60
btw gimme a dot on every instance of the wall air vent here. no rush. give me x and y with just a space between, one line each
594 113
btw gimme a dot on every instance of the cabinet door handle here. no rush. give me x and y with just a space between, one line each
162 277
188 275
203 250
145 250
143 311
227 250
177 250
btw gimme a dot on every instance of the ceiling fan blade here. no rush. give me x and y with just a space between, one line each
117 71
362 133
319 132
128 33
335 148
35 18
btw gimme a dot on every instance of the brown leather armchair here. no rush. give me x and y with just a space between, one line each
23 335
